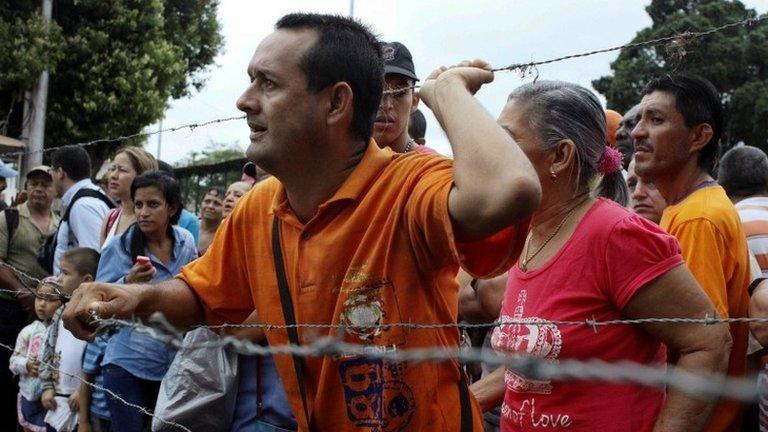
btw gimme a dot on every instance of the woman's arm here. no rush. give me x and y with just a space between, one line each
704 349
489 391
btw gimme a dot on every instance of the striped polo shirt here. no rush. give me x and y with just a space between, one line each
754 217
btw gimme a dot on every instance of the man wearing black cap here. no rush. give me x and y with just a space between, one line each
391 127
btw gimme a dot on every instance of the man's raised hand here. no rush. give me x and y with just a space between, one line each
469 74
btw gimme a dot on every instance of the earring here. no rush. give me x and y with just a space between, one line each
553 176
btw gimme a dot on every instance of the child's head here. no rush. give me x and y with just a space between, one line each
78 265
47 300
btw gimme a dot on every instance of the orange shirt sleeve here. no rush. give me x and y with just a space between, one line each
705 253
219 278
430 225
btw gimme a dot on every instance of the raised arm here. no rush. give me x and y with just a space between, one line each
495 185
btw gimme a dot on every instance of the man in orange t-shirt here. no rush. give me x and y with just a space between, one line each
368 237
676 142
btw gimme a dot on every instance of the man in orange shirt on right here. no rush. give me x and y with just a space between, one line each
676 143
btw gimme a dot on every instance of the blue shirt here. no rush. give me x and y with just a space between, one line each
137 352
189 222
82 228
94 354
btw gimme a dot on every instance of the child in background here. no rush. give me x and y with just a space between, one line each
24 361
62 355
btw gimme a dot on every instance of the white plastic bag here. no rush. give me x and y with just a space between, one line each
200 387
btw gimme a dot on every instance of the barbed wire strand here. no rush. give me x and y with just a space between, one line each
712 385
590 322
191 127
108 391
681 39
21 275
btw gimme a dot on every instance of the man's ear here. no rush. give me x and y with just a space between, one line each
700 136
87 278
340 106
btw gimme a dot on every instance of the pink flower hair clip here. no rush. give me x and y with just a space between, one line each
610 161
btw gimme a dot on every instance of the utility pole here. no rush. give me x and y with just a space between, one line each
35 105
159 138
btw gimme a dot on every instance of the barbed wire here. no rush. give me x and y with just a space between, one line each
589 322
106 390
679 41
21 275
191 127
712 385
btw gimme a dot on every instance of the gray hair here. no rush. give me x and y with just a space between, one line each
743 172
560 110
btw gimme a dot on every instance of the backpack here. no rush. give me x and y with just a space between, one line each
46 253
11 223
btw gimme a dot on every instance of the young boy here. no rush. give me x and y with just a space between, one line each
24 361
62 355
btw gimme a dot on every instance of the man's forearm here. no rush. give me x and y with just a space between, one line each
9 281
493 179
174 299
686 412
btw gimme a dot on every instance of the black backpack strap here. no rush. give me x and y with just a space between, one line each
465 403
86 192
288 313
11 222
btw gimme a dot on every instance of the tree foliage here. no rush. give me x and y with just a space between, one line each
213 152
194 186
114 64
735 60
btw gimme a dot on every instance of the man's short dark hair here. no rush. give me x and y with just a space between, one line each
84 260
346 50
73 160
743 172
699 102
417 125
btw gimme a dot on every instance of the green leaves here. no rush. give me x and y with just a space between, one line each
736 61
28 49
114 64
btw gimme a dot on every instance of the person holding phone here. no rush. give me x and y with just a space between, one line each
150 250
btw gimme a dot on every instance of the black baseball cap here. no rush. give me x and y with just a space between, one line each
398 60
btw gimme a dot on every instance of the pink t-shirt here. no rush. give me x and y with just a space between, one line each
611 255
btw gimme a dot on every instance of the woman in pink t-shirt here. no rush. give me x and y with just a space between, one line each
589 258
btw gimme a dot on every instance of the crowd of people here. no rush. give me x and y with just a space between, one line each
558 210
